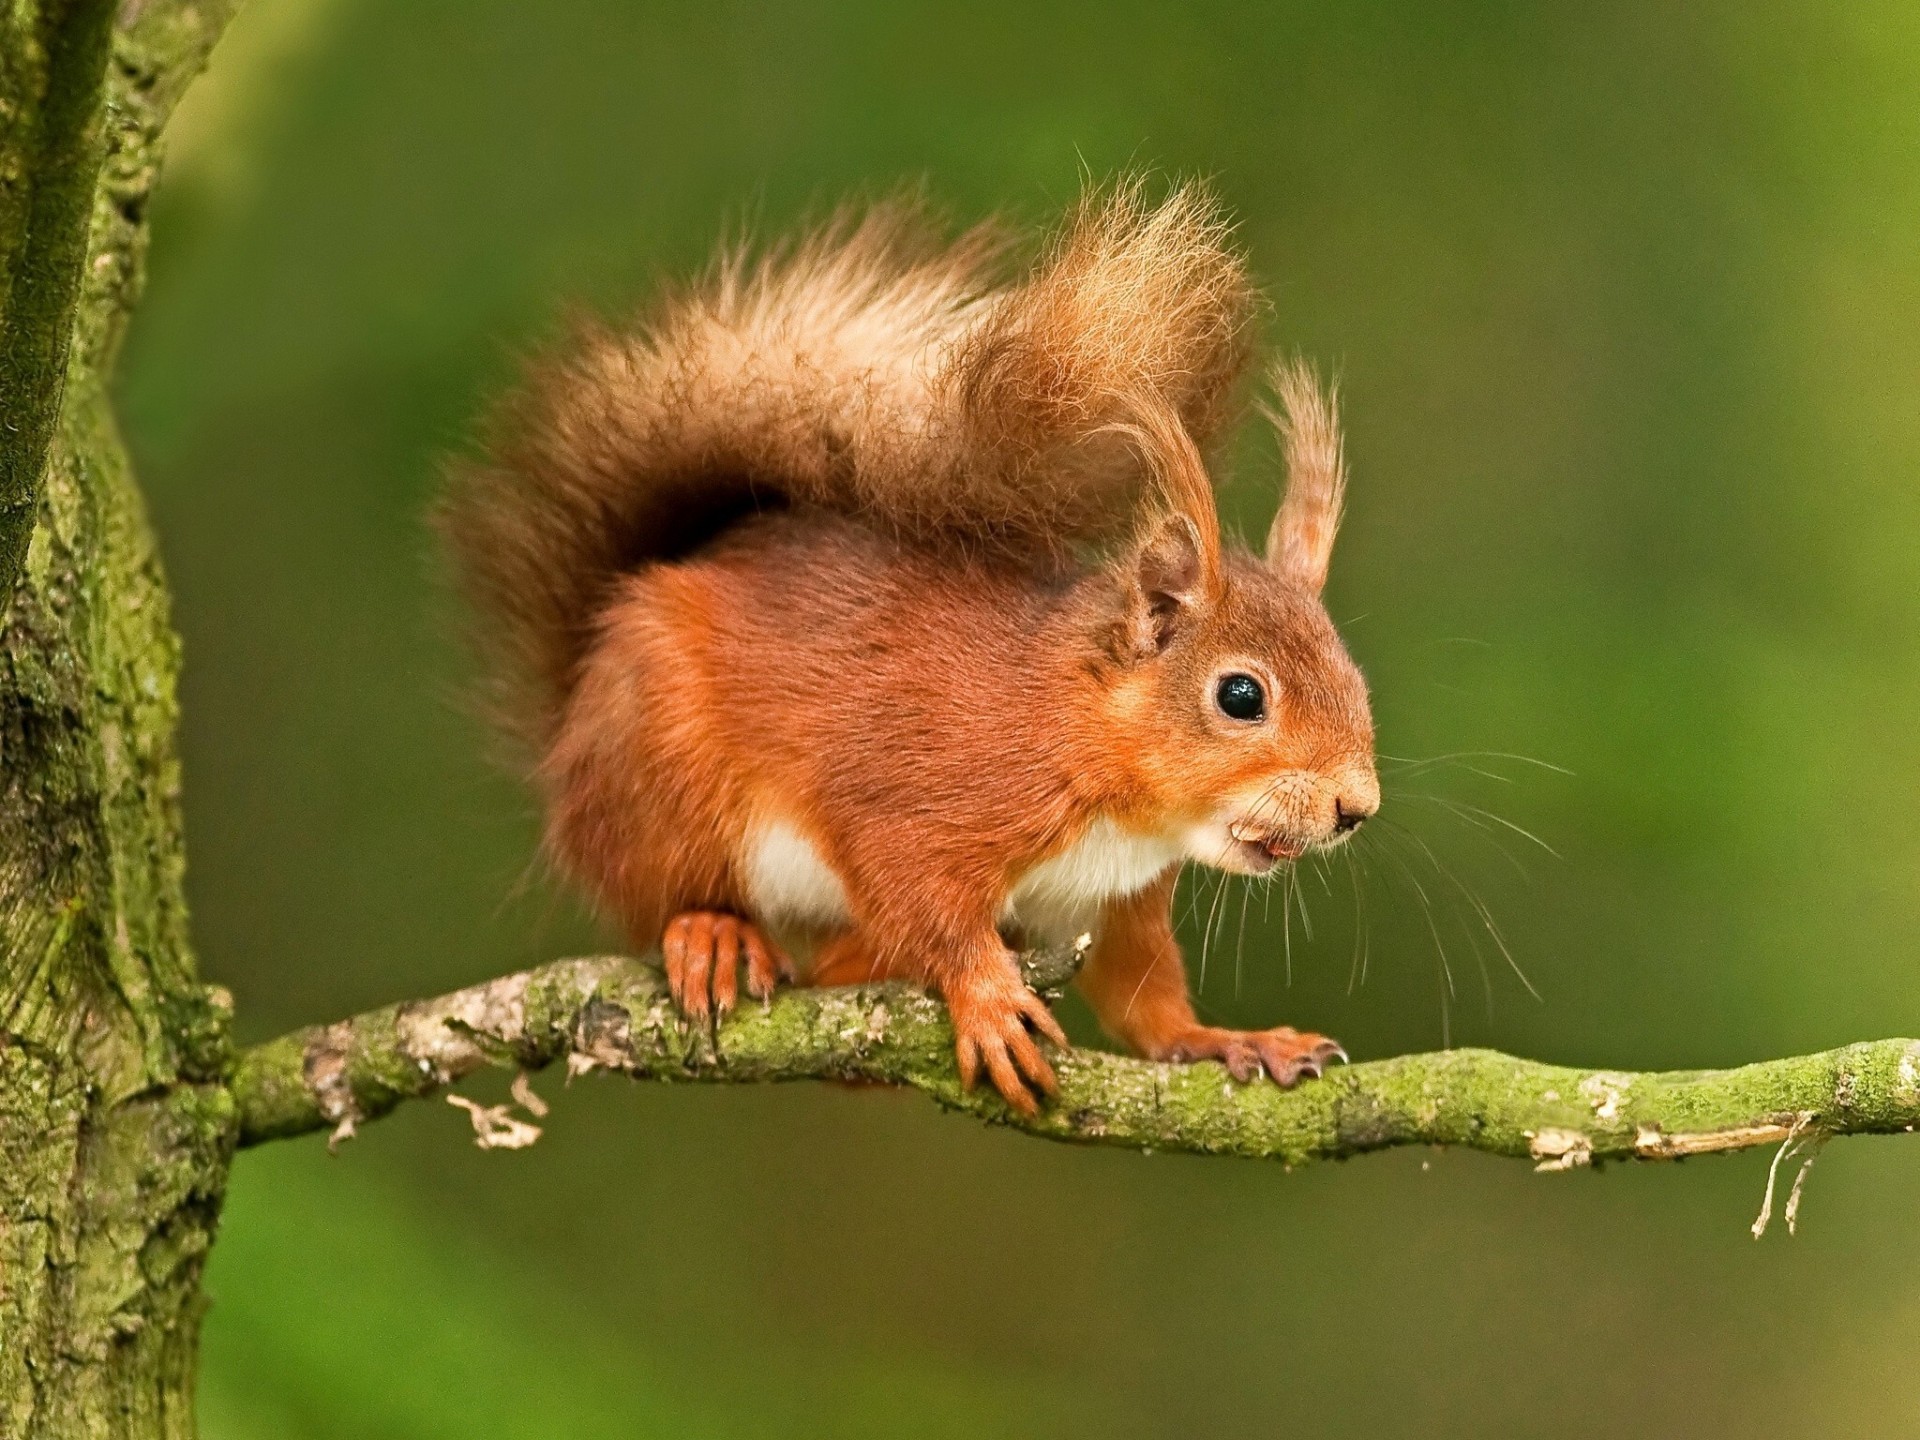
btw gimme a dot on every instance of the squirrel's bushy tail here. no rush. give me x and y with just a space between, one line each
869 370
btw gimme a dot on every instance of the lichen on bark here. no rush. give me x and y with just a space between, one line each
116 1126
610 1013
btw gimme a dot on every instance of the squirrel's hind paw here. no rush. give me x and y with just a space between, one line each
1285 1054
704 951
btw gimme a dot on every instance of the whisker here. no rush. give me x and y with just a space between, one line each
1240 944
1323 867
1480 770
1448 991
1519 830
1480 959
1300 898
1466 818
1197 875
1286 923
1218 919
1456 756
1473 941
1479 907
1507 824
1138 987
1364 848
1359 922
1202 879
1206 934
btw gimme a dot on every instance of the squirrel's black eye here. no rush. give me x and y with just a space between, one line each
1241 697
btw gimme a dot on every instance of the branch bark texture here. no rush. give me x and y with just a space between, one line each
614 1014
116 1126
53 62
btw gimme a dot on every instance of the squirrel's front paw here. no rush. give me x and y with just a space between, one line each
992 1017
704 950
1285 1054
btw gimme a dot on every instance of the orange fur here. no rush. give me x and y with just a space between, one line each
1308 419
793 586
866 370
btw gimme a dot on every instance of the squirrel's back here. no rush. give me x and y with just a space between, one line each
870 371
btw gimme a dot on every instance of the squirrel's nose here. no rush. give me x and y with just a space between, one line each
1347 818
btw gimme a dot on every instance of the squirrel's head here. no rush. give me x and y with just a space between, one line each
1248 719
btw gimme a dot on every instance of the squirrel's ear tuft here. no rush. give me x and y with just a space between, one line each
1164 584
1300 545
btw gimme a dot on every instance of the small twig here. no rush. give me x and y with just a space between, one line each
522 1089
1792 1142
495 1127
1813 1148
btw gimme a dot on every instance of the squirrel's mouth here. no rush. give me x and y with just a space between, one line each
1260 850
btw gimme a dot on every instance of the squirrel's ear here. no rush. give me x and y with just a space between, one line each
1164 584
1300 545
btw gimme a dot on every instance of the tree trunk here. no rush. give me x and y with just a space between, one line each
116 1125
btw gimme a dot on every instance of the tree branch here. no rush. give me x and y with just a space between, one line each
614 1014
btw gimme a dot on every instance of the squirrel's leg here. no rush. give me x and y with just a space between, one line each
850 959
1136 983
953 949
996 1019
995 1015
704 950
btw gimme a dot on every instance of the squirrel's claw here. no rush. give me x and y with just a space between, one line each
704 950
1289 1056
995 1022
1284 1054
767 965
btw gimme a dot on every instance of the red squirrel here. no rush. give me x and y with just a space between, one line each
866 597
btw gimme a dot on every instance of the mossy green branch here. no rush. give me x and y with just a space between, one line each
614 1014
51 148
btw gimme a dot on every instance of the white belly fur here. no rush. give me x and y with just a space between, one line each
787 881
1058 900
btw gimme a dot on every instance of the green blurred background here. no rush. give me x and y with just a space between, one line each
1626 300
